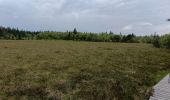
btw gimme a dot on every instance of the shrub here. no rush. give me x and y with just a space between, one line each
130 38
145 39
156 41
116 38
165 41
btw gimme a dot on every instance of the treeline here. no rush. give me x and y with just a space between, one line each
94 37
161 41
16 34
157 41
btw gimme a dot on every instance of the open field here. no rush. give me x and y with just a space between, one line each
64 70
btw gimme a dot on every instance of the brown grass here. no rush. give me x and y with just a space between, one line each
79 70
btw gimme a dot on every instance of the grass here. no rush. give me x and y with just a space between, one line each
69 70
161 74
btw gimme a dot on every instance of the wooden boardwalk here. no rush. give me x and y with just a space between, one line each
162 90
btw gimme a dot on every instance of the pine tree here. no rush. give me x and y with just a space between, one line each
75 31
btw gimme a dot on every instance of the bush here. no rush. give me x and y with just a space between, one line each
116 38
165 41
145 39
156 41
130 38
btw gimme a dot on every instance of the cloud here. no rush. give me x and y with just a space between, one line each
138 16
137 26
145 24
121 4
129 27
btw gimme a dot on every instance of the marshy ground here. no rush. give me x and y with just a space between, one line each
79 70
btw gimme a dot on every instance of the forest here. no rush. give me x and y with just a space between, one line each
16 34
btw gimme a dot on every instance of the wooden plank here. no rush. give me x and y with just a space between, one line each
162 90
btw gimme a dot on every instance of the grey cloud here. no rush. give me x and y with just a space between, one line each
138 16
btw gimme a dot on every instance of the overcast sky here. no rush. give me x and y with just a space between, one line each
138 16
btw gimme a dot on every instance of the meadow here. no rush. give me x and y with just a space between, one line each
69 70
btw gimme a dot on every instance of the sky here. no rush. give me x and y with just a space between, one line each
141 17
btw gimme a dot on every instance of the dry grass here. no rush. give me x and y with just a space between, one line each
78 70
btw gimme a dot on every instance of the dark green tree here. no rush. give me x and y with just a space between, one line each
75 31
156 41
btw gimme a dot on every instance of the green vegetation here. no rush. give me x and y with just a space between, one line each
70 70
165 41
161 41
156 41
94 37
15 34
